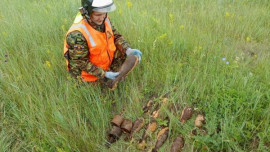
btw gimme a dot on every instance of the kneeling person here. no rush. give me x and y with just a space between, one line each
94 49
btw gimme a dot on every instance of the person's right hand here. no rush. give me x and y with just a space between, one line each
136 52
111 75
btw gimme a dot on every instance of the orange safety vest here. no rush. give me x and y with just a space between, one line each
101 45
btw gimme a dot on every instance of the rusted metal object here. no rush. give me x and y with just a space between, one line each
148 106
161 138
137 126
115 132
152 126
117 120
126 125
186 114
142 145
155 114
194 132
114 135
165 101
199 121
129 64
178 144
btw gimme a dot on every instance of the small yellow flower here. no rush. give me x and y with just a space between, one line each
48 64
120 11
48 51
162 36
248 39
156 20
170 42
182 27
63 28
227 14
4 33
60 149
180 64
129 3
200 47
171 18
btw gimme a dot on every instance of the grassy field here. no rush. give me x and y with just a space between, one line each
209 54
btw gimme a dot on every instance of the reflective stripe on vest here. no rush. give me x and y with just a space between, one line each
93 44
108 21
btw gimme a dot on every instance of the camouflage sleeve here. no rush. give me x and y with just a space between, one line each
119 41
79 56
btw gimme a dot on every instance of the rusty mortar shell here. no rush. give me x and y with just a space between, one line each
178 144
115 132
186 114
117 120
126 126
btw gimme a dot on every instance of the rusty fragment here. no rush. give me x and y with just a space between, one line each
165 101
129 64
178 144
126 125
152 127
115 132
199 121
147 107
142 145
193 132
155 114
137 126
186 114
161 138
117 120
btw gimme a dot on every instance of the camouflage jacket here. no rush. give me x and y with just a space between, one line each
78 52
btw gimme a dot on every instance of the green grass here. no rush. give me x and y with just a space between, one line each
183 43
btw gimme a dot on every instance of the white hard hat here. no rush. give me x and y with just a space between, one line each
103 6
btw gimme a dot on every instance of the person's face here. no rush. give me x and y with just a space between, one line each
98 17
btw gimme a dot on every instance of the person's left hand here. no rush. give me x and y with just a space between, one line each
111 75
136 52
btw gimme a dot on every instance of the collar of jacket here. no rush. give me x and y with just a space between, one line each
100 28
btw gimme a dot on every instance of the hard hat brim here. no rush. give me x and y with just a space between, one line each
105 9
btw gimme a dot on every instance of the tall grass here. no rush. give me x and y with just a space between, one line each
183 43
